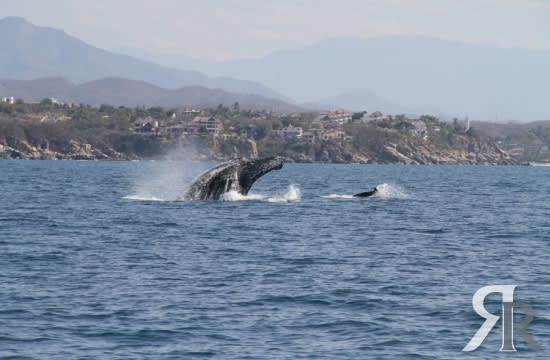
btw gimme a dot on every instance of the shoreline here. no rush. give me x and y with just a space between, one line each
287 161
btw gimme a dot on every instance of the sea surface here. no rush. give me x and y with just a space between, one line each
100 260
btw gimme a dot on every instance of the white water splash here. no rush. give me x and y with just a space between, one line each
391 191
338 196
385 191
165 180
234 195
161 181
292 195
143 198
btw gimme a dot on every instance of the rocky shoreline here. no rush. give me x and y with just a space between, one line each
71 151
477 153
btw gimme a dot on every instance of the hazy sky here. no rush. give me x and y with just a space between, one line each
230 29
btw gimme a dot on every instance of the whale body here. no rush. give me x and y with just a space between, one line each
235 175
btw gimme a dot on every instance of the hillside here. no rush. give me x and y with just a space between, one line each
31 52
47 130
132 93
527 142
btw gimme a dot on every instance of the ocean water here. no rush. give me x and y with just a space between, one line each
100 260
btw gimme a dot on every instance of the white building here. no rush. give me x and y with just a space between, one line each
190 111
333 135
378 116
309 136
338 117
56 101
362 120
291 132
8 100
210 124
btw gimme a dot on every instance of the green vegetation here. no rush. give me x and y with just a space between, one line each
122 132
55 126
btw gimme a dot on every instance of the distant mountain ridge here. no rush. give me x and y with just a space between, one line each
31 52
117 91
424 75
418 73
393 74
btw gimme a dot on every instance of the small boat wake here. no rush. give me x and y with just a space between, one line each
385 191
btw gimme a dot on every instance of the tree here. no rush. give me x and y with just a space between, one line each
108 109
400 118
236 108
46 101
156 112
221 110
261 130
403 125
429 119
358 115
170 112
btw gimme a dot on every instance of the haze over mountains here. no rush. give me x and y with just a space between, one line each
402 73
396 74
30 52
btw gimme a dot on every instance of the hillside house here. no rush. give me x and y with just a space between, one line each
337 117
333 135
208 124
378 116
309 136
146 126
290 132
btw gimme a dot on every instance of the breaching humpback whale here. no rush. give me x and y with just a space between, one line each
235 175
367 193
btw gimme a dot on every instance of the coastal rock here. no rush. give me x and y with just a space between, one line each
71 150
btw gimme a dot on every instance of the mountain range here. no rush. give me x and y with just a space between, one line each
403 73
30 52
396 74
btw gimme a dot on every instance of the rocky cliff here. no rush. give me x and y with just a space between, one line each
472 152
12 148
